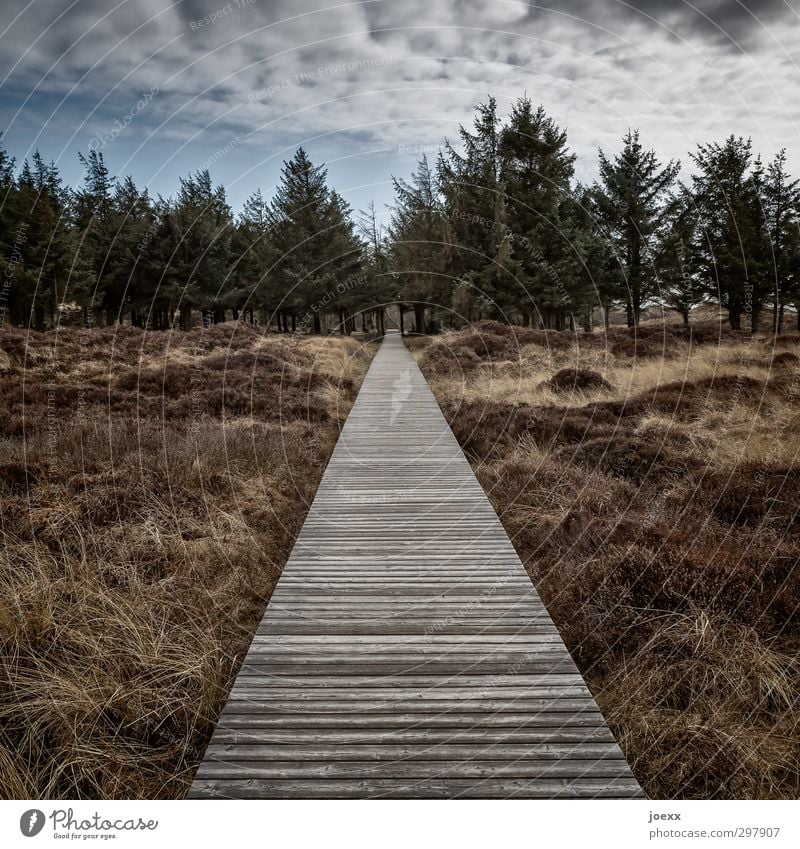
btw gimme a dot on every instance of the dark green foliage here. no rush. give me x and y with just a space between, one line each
313 243
113 253
631 204
732 249
497 230
418 253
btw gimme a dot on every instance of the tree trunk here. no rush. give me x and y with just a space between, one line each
341 322
235 313
685 314
317 324
294 322
218 315
735 312
755 319
186 317
606 316
403 332
419 317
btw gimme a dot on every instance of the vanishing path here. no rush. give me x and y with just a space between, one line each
405 652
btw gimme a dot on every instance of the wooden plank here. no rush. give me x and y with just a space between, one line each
409 736
257 717
439 788
423 752
522 768
405 652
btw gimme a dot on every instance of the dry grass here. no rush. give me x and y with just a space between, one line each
657 513
151 488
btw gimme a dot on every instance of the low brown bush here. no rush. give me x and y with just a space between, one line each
569 379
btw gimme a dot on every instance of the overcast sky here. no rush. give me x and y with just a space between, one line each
366 86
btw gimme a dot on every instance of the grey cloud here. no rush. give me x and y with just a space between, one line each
389 73
738 23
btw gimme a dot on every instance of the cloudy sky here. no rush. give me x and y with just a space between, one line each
367 86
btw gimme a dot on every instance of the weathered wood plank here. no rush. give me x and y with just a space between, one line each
424 736
436 788
405 652
258 717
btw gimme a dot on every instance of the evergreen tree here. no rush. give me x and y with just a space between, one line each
731 246
632 204
418 232
93 217
199 227
49 250
130 276
10 237
250 246
536 170
313 241
680 288
780 200
378 281
590 273
473 203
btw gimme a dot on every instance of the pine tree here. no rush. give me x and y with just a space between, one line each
679 287
379 285
48 250
632 204
730 249
252 285
313 241
536 170
10 237
780 200
418 232
96 225
130 278
200 228
471 190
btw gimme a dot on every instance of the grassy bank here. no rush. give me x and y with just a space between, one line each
650 485
151 488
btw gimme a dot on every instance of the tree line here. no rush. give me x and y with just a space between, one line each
497 227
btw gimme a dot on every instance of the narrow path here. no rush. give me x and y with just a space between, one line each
405 652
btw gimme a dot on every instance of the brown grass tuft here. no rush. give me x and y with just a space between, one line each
657 514
151 490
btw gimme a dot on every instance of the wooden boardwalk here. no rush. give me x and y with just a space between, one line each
405 652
